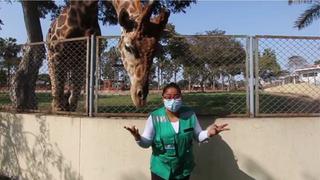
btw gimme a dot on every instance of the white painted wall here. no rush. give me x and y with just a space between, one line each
58 147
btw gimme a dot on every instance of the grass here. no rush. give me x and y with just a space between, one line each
202 103
216 104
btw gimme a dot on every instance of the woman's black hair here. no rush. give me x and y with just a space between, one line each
171 85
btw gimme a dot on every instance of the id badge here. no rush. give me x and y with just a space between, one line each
169 146
170 149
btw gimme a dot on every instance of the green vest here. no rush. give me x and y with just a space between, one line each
172 155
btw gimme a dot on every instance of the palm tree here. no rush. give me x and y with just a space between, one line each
309 15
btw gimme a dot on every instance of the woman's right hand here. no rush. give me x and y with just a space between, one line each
134 131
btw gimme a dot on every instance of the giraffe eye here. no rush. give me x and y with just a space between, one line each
127 47
131 49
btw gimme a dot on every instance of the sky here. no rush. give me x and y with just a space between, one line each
235 17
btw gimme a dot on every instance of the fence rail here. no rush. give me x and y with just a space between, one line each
289 76
219 75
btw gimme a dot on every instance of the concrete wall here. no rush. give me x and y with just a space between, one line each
57 147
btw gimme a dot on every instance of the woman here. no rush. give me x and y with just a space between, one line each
170 131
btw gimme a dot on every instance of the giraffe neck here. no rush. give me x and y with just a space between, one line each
78 19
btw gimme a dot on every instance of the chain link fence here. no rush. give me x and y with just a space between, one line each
25 75
213 72
289 76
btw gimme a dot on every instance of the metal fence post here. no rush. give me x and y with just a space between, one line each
248 53
251 77
92 74
88 76
256 68
97 73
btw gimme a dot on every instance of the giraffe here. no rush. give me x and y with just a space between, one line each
137 46
78 19
138 42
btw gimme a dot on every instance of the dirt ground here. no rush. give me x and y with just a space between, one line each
302 89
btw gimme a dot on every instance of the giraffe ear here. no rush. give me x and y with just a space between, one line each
148 11
125 21
164 16
162 19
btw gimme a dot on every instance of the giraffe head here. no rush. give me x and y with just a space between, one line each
138 44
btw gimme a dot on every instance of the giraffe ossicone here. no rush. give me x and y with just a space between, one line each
139 42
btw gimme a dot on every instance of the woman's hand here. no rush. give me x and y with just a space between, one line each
134 131
214 129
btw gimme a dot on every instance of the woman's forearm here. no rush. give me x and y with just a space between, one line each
144 142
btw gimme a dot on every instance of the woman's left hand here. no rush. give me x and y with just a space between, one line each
214 129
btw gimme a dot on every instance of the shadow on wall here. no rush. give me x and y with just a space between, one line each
215 160
26 155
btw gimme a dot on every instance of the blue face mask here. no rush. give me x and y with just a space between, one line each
172 105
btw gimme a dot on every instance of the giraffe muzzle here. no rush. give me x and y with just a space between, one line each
139 97
142 95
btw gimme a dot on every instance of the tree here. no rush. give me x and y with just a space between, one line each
177 48
309 15
317 62
214 56
173 49
107 13
1 23
22 92
296 62
112 68
9 59
269 67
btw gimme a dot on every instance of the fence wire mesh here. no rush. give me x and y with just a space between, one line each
289 75
211 71
24 75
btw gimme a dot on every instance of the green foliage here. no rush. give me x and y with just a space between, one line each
317 62
173 50
107 13
112 67
200 58
8 48
9 58
1 23
174 5
3 77
46 7
309 15
214 55
269 67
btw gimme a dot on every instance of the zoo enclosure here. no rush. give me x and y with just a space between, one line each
219 75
